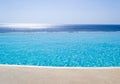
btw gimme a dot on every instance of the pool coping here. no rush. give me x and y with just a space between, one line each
57 67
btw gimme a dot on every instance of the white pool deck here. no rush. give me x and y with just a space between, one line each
10 74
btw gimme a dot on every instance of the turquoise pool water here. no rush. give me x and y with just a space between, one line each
78 49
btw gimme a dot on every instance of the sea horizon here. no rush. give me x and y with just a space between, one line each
35 27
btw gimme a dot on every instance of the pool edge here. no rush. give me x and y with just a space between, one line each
55 67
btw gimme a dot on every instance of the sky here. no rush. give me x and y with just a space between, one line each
60 11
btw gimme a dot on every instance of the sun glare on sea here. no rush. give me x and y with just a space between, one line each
26 25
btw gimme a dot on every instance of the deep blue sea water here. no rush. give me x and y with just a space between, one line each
77 49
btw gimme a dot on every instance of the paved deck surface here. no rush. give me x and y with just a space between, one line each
35 75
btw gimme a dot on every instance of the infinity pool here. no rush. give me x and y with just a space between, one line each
61 49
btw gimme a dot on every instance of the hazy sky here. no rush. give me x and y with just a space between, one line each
60 11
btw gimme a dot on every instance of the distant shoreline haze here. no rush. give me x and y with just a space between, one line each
58 28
